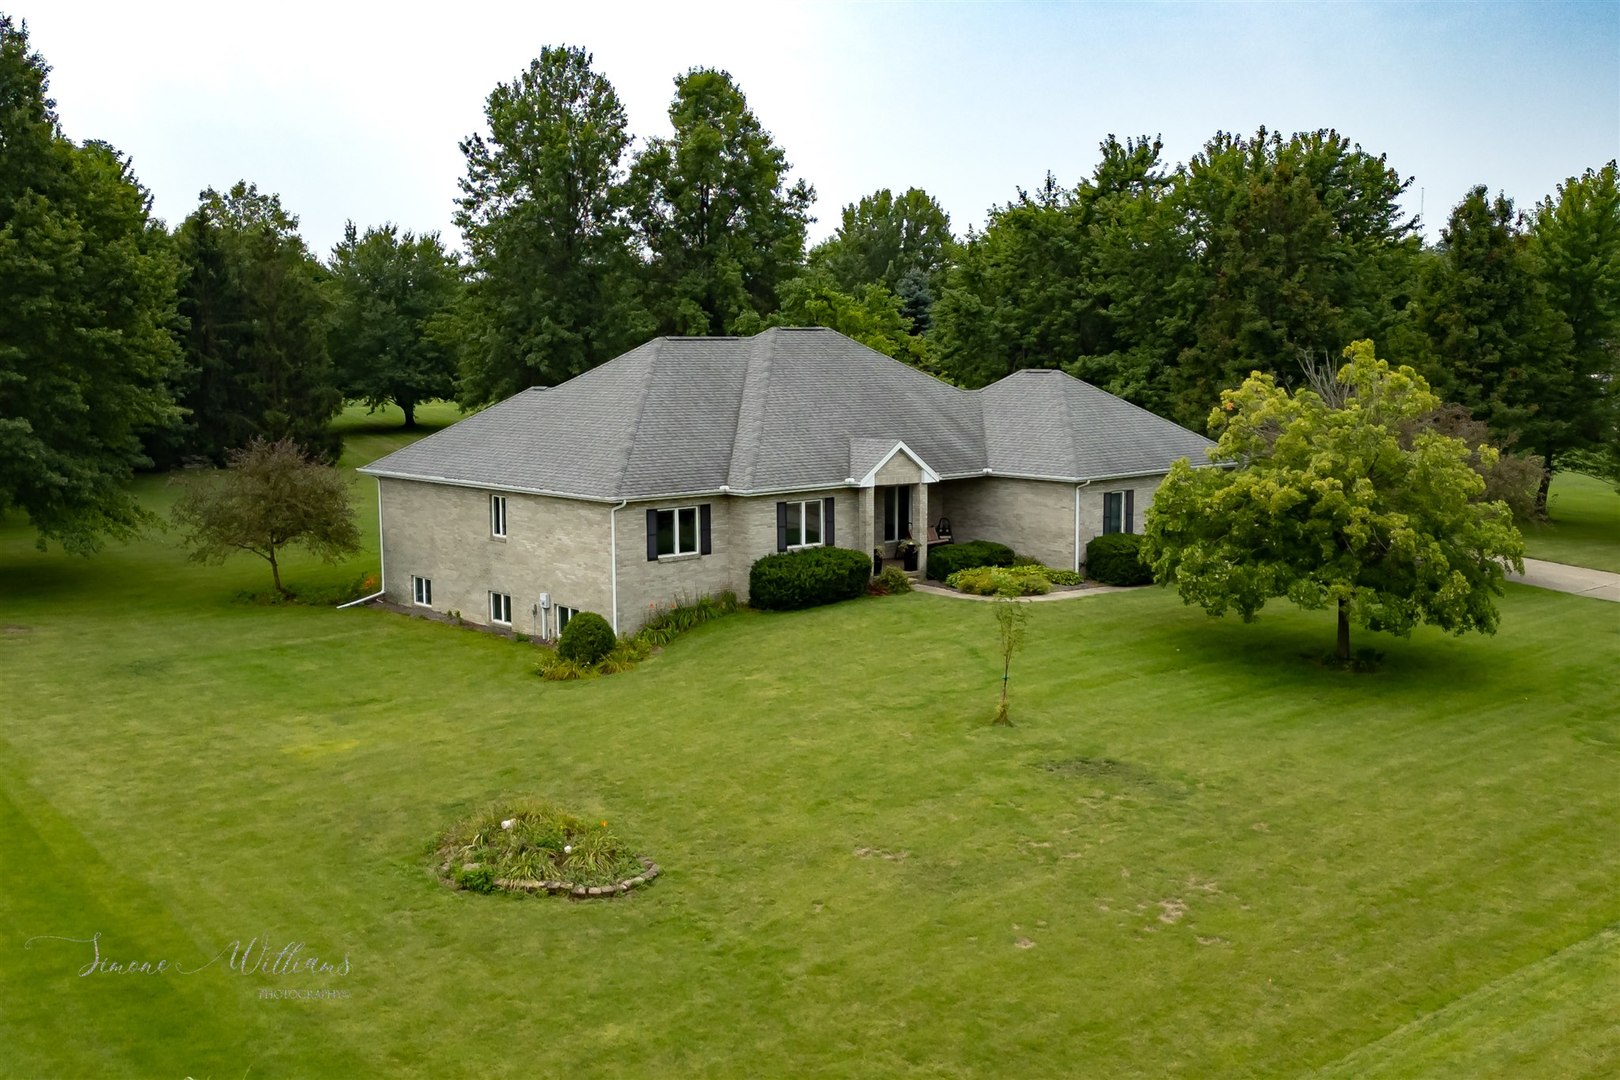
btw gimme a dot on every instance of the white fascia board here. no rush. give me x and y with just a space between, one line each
929 476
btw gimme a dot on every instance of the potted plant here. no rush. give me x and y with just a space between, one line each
906 550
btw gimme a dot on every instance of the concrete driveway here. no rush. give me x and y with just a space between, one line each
1598 584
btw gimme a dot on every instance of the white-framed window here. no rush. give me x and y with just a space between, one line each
422 591
677 531
563 614
500 608
804 524
497 516
1118 511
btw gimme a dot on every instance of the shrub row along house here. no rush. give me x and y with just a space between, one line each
667 472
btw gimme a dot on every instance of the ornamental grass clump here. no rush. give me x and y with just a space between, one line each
1001 581
529 841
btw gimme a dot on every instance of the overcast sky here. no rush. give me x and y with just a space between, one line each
355 110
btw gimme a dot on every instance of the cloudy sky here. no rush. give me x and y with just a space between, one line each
355 110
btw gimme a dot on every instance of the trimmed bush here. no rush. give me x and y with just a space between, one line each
946 559
1116 559
800 579
586 639
894 580
1001 581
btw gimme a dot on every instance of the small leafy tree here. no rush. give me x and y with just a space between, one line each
1360 506
1012 618
272 495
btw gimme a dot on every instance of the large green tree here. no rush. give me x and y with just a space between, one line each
1497 345
870 314
900 242
1356 504
87 306
391 297
553 288
722 227
1041 285
256 359
1294 245
1575 249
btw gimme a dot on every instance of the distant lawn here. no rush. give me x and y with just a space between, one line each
1197 854
1585 525
367 435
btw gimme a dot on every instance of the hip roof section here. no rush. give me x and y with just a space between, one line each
783 410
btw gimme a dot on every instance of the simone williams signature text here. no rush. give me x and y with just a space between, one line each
256 956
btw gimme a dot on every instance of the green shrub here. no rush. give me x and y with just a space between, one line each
479 879
668 621
586 639
894 580
946 559
1062 577
1116 559
800 579
1001 581
527 840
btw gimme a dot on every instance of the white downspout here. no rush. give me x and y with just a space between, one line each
1077 490
382 560
613 555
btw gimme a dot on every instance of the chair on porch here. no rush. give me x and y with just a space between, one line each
940 533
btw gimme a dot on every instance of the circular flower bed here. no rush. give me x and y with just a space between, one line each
533 847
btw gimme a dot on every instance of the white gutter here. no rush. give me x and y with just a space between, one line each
613 557
382 562
1077 489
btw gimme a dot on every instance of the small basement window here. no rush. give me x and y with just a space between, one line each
422 591
564 614
500 608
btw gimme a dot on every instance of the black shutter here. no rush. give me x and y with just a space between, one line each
705 540
827 520
1130 510
781 526
652 536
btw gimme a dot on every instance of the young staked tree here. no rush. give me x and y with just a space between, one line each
391 295
87 311
270 497
1358 506
721 226
1012 620
553 286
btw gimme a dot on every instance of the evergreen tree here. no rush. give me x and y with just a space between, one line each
1498 346
390 297
87 291
553 283
721 228
256 354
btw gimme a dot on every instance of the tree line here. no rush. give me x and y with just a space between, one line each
128 345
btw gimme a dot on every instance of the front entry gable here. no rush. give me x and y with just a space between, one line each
874 462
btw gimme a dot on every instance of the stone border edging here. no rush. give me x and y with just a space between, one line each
584 892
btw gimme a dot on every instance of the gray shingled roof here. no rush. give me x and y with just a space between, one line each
784 410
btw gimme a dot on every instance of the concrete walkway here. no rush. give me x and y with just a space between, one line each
1598 584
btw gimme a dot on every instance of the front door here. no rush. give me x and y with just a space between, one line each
896 513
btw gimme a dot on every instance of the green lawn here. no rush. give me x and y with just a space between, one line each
1584 529
1197 854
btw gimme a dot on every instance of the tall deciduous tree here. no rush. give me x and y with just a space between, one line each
1361 507
1498 346
256 354
553 285
1575 245
271 497
390 297
1292 245
722 228
870 314
885 237
87 306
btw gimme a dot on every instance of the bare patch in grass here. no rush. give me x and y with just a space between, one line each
11 629
879 853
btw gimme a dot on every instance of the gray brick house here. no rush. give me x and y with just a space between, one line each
668 471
